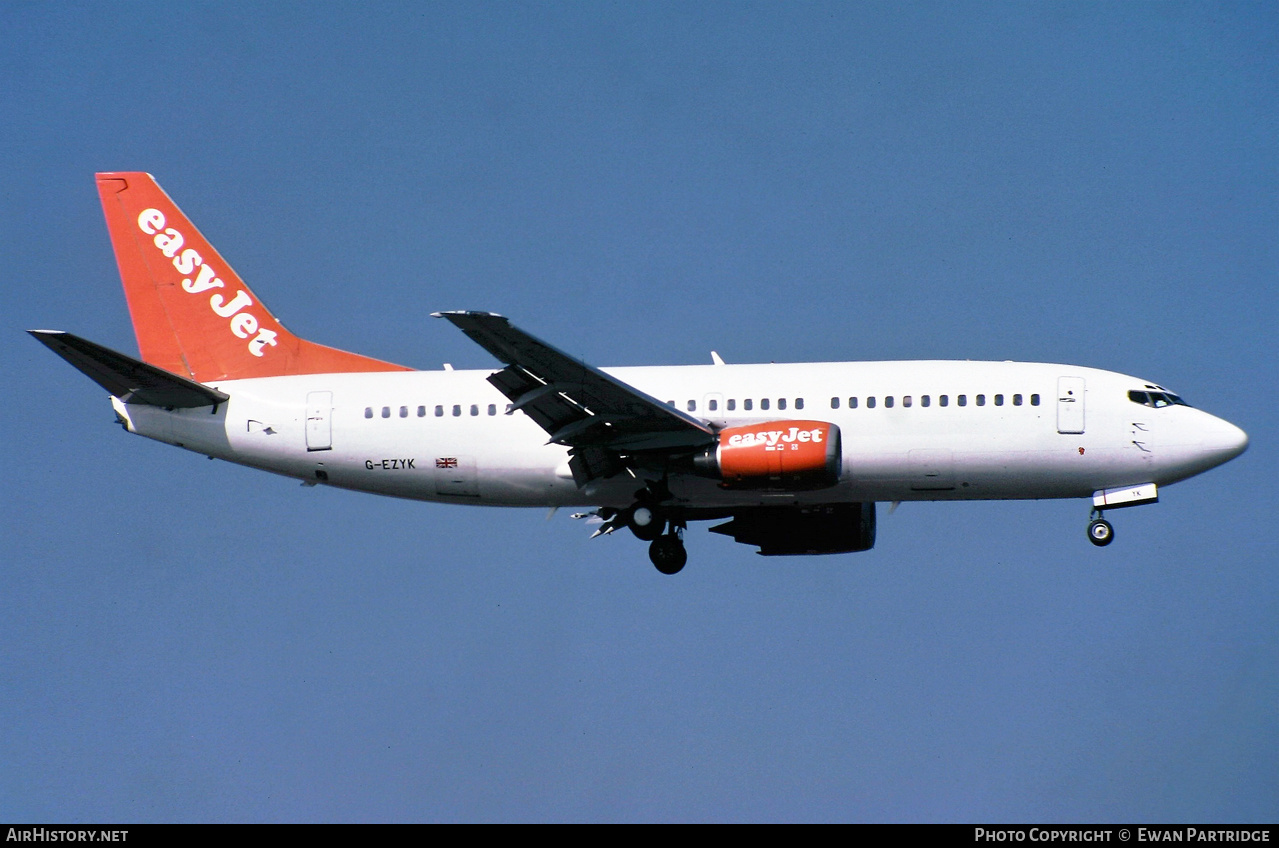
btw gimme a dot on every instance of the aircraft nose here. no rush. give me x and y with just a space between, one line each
1224 441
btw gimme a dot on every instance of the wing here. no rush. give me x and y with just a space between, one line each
602 419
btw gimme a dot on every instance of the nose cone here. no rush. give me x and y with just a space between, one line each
1223 441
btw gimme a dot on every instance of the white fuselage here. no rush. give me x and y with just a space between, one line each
928 430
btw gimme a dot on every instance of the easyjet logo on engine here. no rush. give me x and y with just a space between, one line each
170 242
771 438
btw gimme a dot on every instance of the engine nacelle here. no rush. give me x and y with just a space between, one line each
787 455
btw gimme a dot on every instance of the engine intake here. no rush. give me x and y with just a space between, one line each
787 455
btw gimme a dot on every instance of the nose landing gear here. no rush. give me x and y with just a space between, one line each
1100 533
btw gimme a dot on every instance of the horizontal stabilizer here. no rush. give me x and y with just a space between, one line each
127 378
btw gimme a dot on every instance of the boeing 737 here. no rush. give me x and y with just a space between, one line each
792 458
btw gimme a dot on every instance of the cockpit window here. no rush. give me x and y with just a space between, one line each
1156 400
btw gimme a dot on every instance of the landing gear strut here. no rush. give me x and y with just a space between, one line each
1100 533
667 552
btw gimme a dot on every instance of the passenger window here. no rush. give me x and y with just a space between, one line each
906 401
368 412
870 402
1016 400
944 400
475 409
732 404
492 409
421 412
852 403
999 400
386 412
712 405
1034 400
888 402
981 400
962 400
404 412
781 403
457 410
834 403
799 403
692 406
748 404
439 411
925 400
763 403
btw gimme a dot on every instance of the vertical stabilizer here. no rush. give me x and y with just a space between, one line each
191 312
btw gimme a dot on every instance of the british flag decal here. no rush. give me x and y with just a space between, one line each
446 462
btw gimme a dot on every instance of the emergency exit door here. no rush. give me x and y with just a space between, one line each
1070 404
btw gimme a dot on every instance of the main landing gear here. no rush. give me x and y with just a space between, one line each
645 522
649 522
1100 533
667 552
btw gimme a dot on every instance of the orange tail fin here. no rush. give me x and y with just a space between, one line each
192 314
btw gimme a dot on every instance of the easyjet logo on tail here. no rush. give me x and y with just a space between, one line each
170 242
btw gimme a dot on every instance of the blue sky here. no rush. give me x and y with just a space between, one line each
641 183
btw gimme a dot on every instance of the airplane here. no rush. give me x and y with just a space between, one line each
792 457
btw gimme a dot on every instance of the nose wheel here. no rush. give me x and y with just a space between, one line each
1100 533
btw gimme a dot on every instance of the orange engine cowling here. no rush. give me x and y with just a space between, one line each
790 455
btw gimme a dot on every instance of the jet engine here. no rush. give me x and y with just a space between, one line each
787 455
